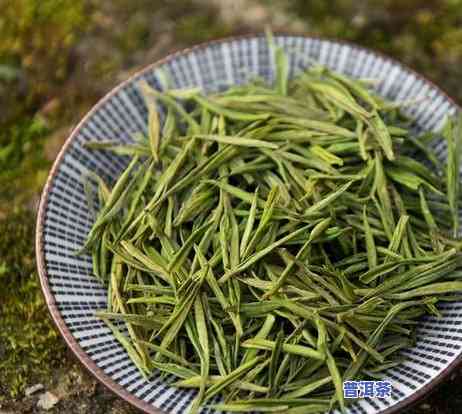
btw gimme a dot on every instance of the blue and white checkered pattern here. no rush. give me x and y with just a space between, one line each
215 66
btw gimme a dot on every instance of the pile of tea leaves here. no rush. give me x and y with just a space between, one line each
269 242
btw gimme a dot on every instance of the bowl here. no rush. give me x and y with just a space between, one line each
71 291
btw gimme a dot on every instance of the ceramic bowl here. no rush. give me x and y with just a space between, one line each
73 294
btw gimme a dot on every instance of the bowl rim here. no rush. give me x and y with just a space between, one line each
58 320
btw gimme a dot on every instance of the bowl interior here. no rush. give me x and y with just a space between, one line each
73 293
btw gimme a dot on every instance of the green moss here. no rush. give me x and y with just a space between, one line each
425 34
36 48
37 39
193 23
30 348
198 26
22 160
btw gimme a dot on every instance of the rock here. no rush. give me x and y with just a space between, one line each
33 389
47 401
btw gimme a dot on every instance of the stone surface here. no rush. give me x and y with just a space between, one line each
47 401
33 389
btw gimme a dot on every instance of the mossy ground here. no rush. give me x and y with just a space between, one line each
57 57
